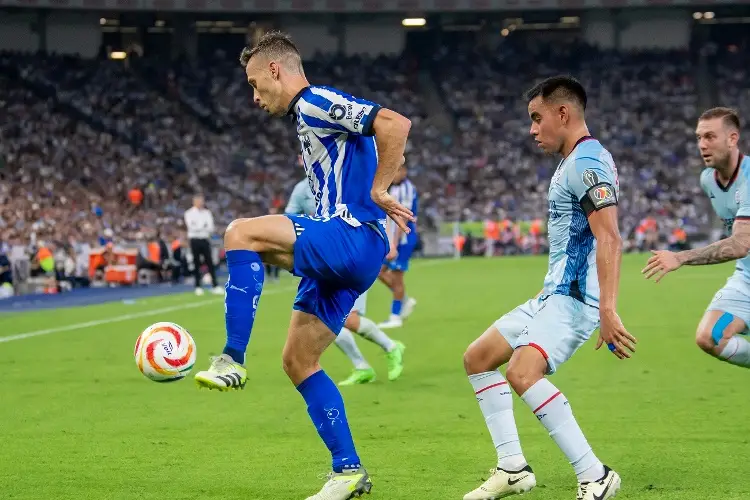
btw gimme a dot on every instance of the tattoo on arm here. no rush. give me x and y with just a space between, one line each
731 248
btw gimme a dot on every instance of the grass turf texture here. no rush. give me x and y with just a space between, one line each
80 422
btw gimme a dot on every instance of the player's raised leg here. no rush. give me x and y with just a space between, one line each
492 349
720 334
248 243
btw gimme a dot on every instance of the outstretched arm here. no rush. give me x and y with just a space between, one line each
734 247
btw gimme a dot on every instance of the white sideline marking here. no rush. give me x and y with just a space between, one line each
124 317
143 314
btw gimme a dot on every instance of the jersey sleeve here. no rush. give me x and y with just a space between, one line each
743 195
593 183
330 109
296 204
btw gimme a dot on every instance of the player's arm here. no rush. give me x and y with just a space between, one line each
211 226
734 247
594 184
294 205
391 131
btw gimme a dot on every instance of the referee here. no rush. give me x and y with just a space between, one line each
200 227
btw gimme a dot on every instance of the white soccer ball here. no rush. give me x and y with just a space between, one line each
165 352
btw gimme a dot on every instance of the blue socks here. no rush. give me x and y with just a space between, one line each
326 409
396 307
243 291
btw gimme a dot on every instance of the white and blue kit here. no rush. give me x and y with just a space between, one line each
731 202
406 194
302 201
340 248
566 312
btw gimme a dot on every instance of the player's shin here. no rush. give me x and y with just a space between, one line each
369 330
345 341
496 402
326 409
243 290
552 409
736 351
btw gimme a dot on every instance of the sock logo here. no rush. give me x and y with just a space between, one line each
333 414
540 417
255 301
255 266
243 290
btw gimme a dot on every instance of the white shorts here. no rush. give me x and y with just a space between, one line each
734 299
556 325
360 305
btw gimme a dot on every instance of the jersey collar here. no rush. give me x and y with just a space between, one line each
290 109
731 179
579 141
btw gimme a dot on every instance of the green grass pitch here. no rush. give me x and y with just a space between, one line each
78 421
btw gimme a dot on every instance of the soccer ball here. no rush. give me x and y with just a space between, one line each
165 352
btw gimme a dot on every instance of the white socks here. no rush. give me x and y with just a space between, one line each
736 352
345 342
495 399
552 409
369 330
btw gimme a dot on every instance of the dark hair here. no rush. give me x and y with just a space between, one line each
274 44
729 116
559 87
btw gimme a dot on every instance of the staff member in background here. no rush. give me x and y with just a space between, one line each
200 227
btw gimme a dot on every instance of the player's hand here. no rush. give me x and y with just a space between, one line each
392 254
613 333
661 263
395 210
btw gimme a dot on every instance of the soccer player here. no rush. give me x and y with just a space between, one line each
725 182
301 201
394 351
337 252
580 294
402 246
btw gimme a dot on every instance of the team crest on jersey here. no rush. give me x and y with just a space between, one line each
590 179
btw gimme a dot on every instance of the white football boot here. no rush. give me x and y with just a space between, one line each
345 485
503 484
604 488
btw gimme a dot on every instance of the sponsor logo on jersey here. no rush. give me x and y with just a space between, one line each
337 112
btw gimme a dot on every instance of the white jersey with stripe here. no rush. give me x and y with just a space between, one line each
405 193
731 202
339 153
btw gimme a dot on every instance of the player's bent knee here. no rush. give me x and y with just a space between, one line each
704 341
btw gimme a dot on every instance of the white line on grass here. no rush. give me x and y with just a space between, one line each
152 312
124 317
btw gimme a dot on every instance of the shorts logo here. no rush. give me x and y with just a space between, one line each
590 179
337 112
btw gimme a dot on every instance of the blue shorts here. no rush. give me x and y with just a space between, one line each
401 262
337 263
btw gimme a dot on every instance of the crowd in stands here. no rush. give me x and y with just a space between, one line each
90 148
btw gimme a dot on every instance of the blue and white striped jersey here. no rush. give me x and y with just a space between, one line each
339 153
406 194
731 202
585 181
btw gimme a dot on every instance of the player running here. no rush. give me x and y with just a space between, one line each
580 294
301 201
402 246
725 181
365 327
337 252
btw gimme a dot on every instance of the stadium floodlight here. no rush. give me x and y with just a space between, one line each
118 54
505 32
697 15
709 15
414 21
102 21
